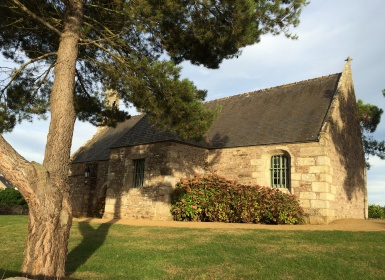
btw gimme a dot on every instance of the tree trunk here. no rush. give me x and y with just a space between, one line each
48 229
46 187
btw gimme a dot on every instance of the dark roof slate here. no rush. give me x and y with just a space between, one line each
285 114
98 147
144 133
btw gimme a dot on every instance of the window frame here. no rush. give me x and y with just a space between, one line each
280 171
138 178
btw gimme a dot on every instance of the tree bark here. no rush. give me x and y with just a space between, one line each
46 187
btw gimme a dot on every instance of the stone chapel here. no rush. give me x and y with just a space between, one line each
303 138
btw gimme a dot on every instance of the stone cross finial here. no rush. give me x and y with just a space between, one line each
349 59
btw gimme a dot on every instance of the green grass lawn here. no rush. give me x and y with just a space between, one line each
111 251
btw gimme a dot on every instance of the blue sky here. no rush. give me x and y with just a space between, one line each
330 31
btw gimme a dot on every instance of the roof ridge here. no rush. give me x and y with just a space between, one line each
100 133
270 88
101 130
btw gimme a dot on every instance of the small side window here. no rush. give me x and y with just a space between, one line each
279 170
138 173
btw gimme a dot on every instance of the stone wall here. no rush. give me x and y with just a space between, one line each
309 172
317 176
86 192
165 164
347 156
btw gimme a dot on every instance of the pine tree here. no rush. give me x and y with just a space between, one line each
370 116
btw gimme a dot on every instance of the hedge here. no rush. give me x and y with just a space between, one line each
11 196
376 211
215 199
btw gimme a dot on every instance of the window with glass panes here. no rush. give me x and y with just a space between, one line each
279 171
138 173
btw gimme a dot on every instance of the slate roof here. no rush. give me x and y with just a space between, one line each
4 183
98 147
284 114
144 133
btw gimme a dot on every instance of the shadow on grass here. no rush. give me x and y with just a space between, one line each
4 273
93 238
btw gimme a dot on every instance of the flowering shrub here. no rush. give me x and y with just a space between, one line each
214 199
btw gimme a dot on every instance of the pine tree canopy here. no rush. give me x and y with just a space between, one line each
132 47
370 116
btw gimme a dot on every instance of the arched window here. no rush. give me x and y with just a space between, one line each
279 171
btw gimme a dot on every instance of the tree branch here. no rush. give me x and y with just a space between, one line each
22 67
16 169
16 21
42 81
36 17
98 23
103 8
117 58
80 79
106 38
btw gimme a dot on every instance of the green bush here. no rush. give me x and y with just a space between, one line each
376 211
215 199
11 196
